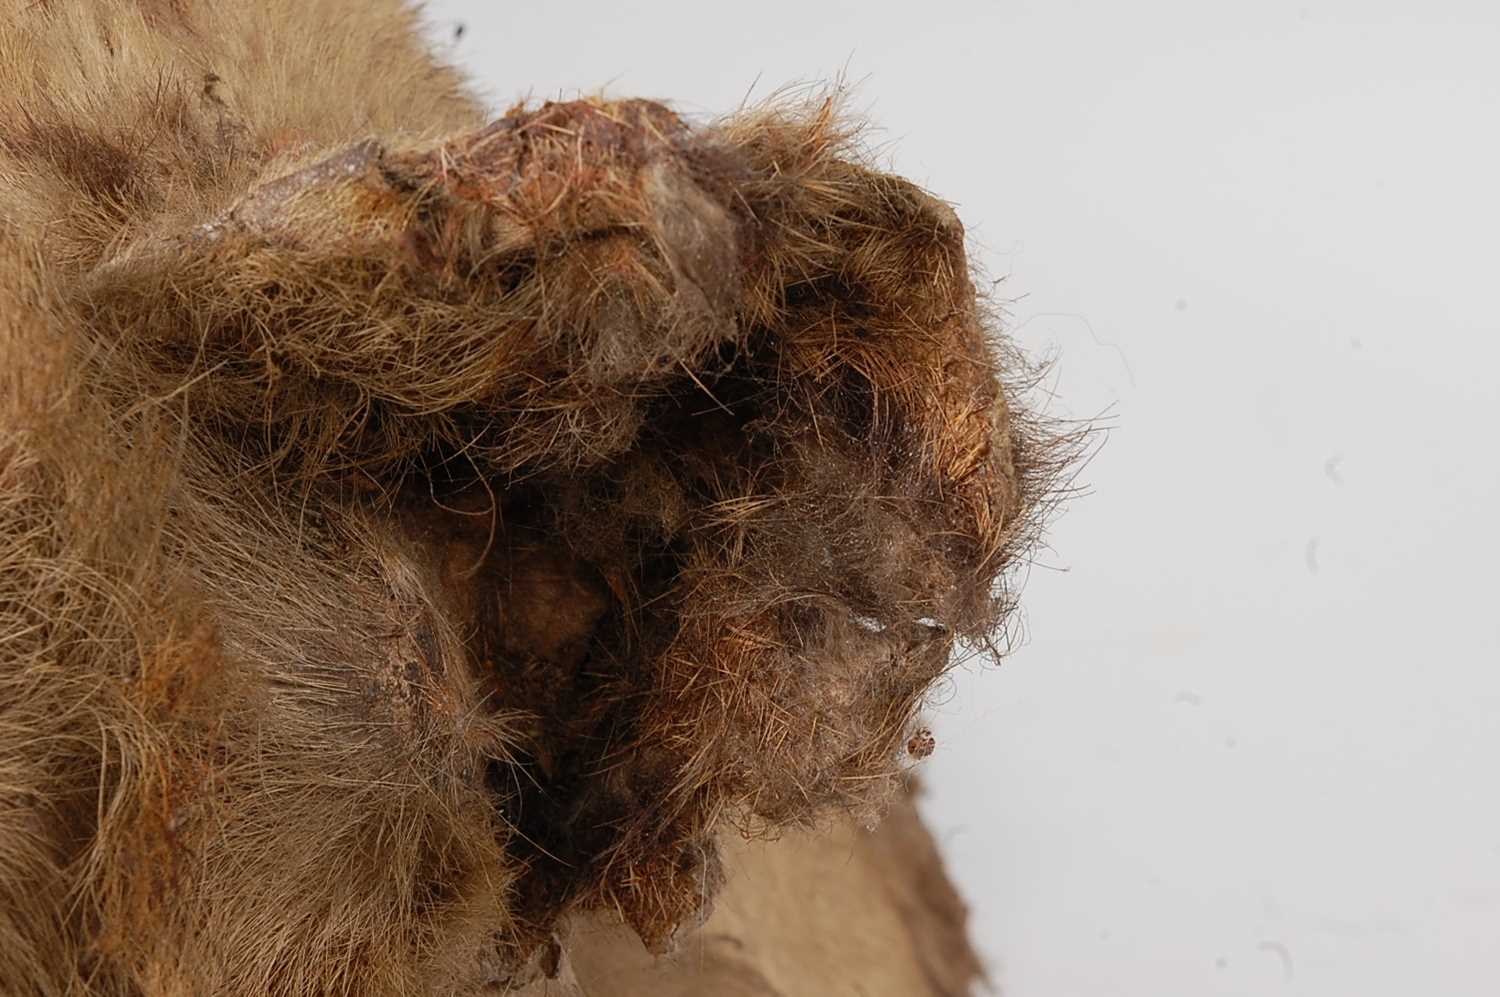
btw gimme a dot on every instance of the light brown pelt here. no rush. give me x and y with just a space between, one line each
414 530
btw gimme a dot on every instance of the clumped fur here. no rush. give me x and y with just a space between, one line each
415 529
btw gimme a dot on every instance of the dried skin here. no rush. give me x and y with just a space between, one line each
841 910
413 538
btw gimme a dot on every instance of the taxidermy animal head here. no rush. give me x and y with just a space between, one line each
415 529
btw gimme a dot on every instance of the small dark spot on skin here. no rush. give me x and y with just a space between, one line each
551 959
211 83
1221 963
1180 304
458 31
427 644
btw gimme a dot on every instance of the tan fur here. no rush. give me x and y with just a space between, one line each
415 530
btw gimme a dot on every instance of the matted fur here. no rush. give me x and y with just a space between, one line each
416 529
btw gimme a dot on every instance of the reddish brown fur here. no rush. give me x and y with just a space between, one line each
416 529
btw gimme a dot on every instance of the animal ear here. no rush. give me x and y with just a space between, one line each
361 298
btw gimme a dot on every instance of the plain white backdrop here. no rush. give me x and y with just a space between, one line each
1250 745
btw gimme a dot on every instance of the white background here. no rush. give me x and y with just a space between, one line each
1251 744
